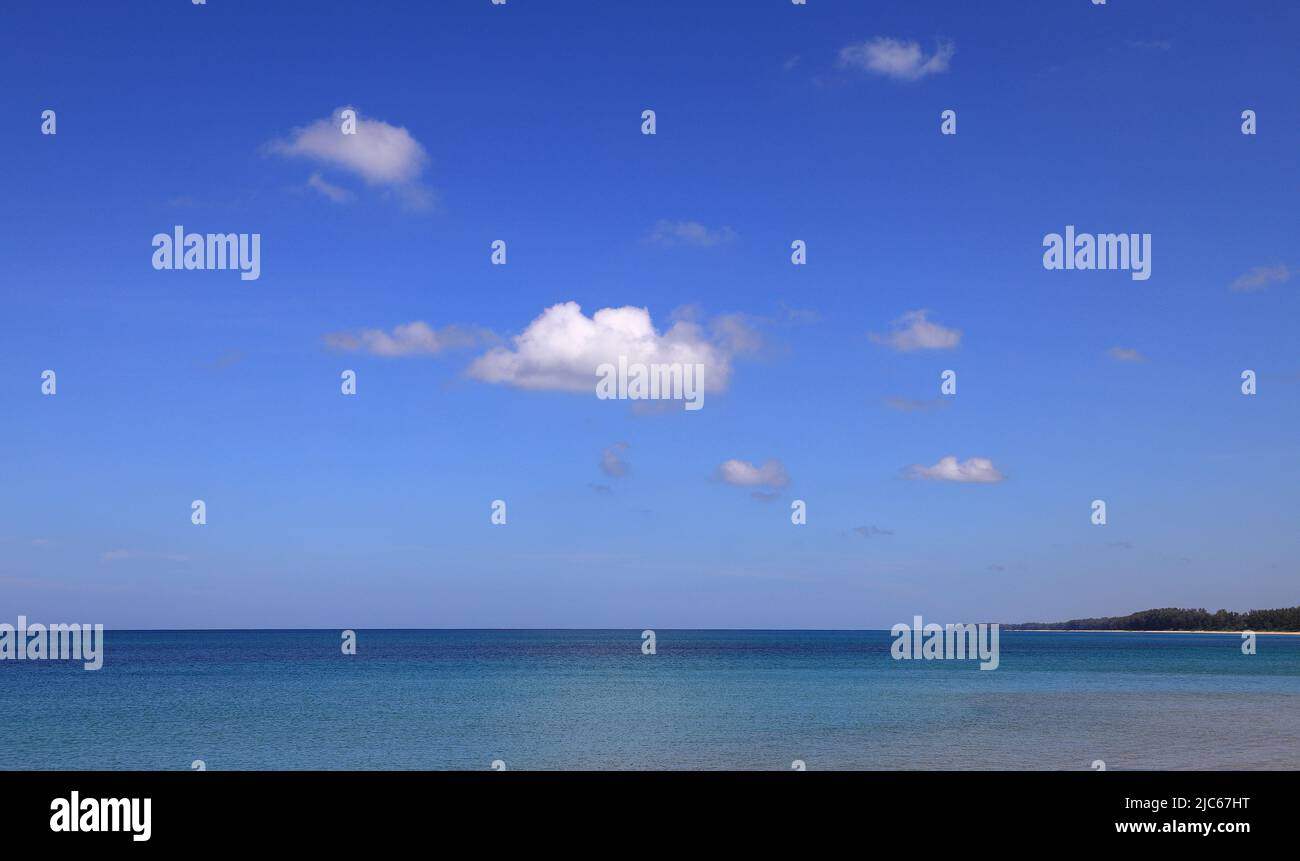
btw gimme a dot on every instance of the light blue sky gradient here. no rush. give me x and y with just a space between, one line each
373 511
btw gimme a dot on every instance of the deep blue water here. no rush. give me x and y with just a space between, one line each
708 699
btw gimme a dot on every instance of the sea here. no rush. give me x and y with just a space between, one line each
593 700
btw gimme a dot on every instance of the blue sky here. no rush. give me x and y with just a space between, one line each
522 122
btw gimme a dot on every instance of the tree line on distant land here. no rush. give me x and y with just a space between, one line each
1175 619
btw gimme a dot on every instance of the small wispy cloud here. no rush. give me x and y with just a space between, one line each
124 555
914 331
228 359
742 473
328 190
737 334
799 316
1125 354
671 234
869 531
417 338
902 60
908 405
611 459
1151 44
977 470
1261 277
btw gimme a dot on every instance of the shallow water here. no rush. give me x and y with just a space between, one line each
706 700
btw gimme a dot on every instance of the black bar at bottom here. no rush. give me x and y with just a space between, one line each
189 810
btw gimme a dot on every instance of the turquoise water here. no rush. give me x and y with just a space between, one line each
706 700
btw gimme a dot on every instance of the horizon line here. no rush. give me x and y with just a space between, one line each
1010 627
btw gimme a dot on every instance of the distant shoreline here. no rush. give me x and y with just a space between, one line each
1177 620
1131 631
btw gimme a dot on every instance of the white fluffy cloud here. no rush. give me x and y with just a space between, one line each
896 58
561 349
973 469
417 338
913 331
692 233
1260 277
379 153
742 473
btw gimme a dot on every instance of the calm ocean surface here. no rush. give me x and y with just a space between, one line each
708 699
